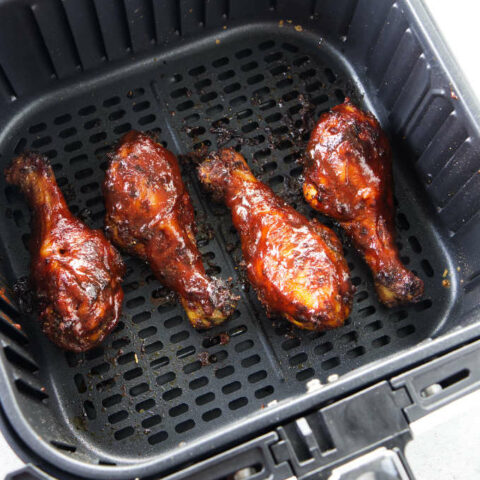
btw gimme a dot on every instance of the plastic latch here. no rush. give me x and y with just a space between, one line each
432 385
337 433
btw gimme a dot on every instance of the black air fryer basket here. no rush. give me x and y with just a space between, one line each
251 397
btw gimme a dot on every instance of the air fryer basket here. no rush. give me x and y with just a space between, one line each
157 393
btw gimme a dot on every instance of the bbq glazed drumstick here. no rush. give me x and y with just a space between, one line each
75 271
295 265
348 176
149 214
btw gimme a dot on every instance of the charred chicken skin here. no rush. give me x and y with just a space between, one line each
348 176
295 265
150 215
75 271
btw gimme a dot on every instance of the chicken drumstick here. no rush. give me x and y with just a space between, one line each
348 176
295 265
75 271
150 215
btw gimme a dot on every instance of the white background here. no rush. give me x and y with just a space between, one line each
447 442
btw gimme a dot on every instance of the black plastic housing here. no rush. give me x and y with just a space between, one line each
76 74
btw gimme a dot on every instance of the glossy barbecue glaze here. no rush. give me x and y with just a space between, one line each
348 176
149 214
295 265
75 271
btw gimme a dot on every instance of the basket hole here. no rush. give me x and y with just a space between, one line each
145 405
233 87
305 374
224 372
100 369
82 174
348 337
63 446
361 296
423 305
206 82
68 132
405 331
244 114
194 117
29 391
180 336
178 410
286 82
110 102
205 398
402 222
249 127
235 102
41 142
166 378
88 110
330 363
123 128
151 421
356 352
427 268
278 70
264 391
250 361
181 92
220 62
398 316
243 346
120 343
80 383
381 341
153 347
415 244
171 394
89 409
298 359
255 79
176 78
186 352
112 400
226 75
146 119
105 385
291 343
173 322
19 360
117 115
374 326
159 363
139 389
134 373
198 383
157 438
238 403
366 311
267 105
71 147
184 426
246 52
212 111
61 119
197 71
323 348
141 317
236 331
231 387
185 105
211 415
135 302
257 376
262 154
247 67
192 367
124 433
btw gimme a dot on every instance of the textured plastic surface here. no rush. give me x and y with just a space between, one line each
158 394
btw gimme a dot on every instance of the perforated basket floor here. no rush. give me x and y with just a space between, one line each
156 382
